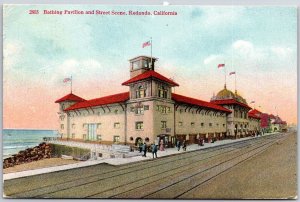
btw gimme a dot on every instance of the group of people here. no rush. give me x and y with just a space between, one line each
154 148
143 148
178 145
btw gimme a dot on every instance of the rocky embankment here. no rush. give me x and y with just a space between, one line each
42 151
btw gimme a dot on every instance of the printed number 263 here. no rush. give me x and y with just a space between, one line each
33 11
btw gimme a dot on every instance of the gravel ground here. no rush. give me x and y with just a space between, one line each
272 174
38 164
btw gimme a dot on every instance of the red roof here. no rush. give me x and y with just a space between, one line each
264 120
253 115
272 116
70 97
255 111
193 101
117 98
229 101
150 74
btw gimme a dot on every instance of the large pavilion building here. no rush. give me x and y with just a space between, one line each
150 112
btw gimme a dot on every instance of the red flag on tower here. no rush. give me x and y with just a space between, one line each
221 65
67 80
148 43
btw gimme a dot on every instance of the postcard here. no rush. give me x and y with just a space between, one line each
149 102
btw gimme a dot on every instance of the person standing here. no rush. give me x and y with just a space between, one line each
184 145
144 149
140 146
178 145
161 147
154 150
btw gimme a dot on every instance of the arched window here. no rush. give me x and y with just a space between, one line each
140 92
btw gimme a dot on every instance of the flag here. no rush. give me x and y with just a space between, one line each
252 102
231 73
221 65
148 43
67 80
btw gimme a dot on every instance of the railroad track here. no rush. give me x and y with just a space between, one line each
169 177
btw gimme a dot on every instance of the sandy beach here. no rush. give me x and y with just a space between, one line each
38 164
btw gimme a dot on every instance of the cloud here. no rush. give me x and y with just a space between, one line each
213 59
11 55
242 46
282 51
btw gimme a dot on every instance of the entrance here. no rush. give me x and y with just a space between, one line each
193 138
180 137
165 138
138 140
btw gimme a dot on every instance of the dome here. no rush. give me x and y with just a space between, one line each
224 94
240 98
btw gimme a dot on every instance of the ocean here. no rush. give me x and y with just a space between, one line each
15 140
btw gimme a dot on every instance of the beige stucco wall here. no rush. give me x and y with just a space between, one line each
190 116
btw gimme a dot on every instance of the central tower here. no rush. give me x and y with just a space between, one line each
141 64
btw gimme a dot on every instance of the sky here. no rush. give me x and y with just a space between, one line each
258 43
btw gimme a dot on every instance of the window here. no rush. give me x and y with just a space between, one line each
162 92
73 135
139 110
164 109
210 124
192 124
202 124
62 126
163 124
141 92
117 125
116 111
139 125
99 138
217 125
146 107
145 63
224 125
180 123
116 139
73 126
135 65
147 139
98 125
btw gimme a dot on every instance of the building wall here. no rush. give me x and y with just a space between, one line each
190 122
110 122
146 118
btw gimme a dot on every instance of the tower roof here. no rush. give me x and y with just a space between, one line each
70 97
150 74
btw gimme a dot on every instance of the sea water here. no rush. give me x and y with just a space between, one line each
15 140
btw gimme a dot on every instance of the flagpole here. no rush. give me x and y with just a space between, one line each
152 68
235 81
71 83
225 72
